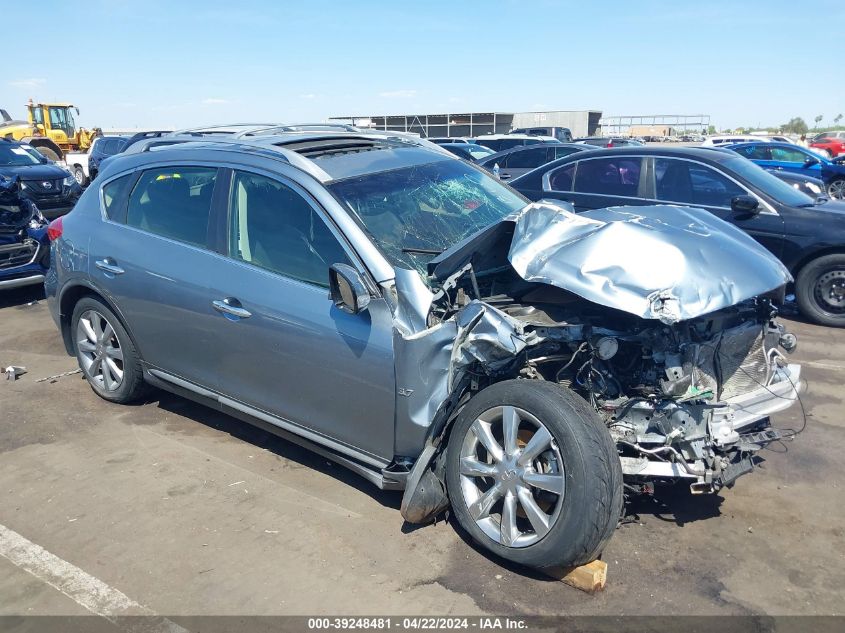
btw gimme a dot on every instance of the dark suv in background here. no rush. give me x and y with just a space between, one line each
53 189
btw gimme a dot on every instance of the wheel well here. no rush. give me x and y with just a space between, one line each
45 142
834 250
68 302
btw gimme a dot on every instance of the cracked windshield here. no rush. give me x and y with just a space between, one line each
415 213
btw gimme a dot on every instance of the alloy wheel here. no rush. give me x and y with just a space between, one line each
512 476
100 354
836 189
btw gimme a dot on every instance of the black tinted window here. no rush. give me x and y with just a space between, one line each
494 144
561 179
528 158
173 202
275 228
560 152
691 183
611 176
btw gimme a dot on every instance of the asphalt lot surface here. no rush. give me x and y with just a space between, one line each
186 511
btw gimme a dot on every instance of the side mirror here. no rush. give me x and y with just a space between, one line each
810 161
745 204
347 289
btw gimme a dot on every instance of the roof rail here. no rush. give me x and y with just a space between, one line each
299 127
188 141
211 129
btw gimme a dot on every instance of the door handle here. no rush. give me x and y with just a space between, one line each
231 307
109 266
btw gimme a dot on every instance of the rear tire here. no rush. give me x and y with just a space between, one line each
105 352
556 499
820 290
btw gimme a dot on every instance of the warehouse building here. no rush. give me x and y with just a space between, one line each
580 122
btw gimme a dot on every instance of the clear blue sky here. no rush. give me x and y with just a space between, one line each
180 63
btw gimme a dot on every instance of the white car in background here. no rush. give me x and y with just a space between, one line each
727 139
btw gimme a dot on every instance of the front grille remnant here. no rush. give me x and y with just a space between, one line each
13 255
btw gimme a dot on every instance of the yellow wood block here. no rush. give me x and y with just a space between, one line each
591 577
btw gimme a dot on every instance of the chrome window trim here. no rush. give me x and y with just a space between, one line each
767 208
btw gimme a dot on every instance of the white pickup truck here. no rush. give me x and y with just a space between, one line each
84 170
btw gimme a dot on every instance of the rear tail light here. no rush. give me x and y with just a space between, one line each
54 229
610 143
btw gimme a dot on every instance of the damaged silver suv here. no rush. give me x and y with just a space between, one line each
401 312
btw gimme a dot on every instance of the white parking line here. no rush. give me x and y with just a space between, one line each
811 363
89 592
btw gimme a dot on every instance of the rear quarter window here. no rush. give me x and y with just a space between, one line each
115 194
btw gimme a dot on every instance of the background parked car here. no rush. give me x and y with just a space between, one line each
606 141
468 151
53 189
443 140
501 142
726 139
563 134
24 246
520 160
830 143
809 238
796 159
813 187
103 147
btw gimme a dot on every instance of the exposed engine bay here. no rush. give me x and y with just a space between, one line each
684 374
673 396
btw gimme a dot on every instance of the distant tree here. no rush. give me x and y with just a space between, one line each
818 120
711 129
837 118
796 125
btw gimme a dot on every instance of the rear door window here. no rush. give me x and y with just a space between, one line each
173 202
754 152
617 176
528 158
691 183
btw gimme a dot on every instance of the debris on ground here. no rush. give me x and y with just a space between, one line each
53 379
13 371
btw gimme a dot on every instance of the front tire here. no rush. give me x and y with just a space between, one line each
105 352
533 475
820 290
836 189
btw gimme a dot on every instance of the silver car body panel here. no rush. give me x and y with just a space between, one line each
685 262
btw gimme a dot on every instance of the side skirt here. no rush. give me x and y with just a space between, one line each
365 466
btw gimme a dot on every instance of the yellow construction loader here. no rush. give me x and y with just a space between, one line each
50 129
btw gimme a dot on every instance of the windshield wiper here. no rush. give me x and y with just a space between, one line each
422 251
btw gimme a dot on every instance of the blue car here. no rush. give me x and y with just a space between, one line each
24 244
796 159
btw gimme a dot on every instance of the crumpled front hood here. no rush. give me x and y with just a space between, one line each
657 262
